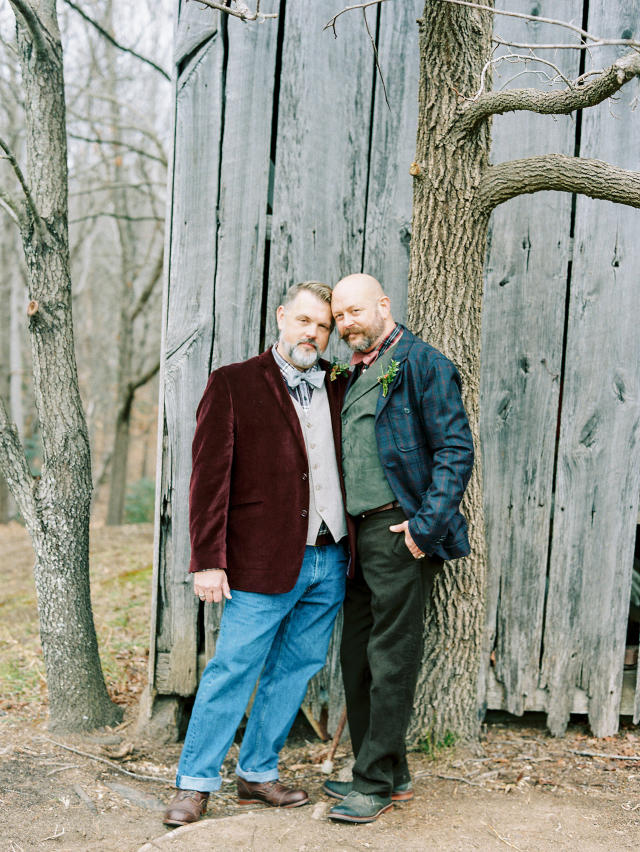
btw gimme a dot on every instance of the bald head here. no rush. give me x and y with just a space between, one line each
362 311
359 285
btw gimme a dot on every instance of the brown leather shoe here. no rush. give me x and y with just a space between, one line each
185 807
270 793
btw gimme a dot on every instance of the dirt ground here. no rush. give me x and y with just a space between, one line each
517 789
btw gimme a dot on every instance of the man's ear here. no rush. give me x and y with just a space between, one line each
280 316
384 302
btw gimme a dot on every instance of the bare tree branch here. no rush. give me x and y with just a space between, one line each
579 45
145 376
13 464
551 103
594 178
364 6
11 205
37 29
113 41
242 11
118 142
584 34
110 215
147 290
25 188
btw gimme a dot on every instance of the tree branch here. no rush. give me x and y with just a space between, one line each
555 103
364 6
11 205
594 178
98 141
145 377
147 290
584 34
13 464
36 28
113 41
25 188
243 12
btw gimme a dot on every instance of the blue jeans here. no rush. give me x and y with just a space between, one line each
281 639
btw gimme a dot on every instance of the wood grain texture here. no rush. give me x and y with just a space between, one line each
242 208
195 24
522 332
598 479
188 342
393 145
322 152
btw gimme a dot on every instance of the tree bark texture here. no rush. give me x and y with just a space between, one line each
56 507
444 307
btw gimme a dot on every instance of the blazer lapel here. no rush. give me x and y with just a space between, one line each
399 356
273 378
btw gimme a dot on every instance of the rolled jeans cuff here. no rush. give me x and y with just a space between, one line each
257 777
202 785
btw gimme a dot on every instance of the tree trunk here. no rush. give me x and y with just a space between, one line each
58 515
119 459
444 307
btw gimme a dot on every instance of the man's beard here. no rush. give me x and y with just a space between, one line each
369 334
299 357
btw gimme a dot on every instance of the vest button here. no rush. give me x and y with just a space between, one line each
304 513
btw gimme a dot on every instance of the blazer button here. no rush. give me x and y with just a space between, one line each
305 476
304 513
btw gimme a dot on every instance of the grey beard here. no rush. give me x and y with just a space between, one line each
299 357
371 334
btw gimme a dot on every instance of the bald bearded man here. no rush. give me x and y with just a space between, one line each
407 456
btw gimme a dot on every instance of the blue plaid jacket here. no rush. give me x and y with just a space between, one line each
425 446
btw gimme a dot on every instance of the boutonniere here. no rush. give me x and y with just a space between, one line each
338 368
385 379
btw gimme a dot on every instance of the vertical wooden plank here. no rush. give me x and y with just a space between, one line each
320 179
188 340
393 143
598 477
322 151
242 209
522 332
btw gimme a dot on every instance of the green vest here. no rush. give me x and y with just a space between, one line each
364 479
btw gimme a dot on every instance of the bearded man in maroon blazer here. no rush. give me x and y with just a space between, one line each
268 534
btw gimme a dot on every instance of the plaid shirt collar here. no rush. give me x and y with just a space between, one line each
363 360
303 392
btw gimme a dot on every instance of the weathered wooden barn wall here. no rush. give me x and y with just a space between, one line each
288 165
561 351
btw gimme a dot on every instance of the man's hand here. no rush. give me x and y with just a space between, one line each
413 547
211 585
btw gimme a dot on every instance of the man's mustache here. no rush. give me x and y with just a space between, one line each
310 342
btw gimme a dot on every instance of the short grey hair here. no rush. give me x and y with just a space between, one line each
318 288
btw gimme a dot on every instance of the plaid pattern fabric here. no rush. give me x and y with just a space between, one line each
302 393
425 446
363 360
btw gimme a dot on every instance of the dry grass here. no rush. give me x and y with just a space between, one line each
121 561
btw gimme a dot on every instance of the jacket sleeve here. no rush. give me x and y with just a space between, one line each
209 490
448 436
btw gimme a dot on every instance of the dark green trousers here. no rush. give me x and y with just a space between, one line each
381 650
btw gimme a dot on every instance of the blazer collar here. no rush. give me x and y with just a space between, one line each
400 353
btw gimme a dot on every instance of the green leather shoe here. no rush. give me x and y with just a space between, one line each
360 807
341 789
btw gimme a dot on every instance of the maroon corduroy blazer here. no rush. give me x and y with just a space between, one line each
249 492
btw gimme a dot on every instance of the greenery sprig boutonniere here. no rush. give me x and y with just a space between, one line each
385 379
338 368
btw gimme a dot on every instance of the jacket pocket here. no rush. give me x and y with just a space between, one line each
406 427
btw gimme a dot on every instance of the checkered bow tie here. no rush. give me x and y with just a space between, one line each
314 378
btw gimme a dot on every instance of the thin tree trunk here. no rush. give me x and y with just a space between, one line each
58 515
444 307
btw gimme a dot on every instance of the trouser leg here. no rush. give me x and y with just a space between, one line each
298 652
248 628
400 587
